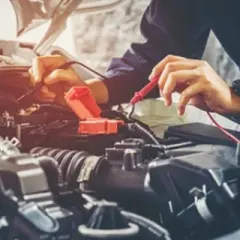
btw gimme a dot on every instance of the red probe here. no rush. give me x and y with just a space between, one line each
138 96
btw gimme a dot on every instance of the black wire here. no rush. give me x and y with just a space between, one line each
88 68
47 133
160 148
112 114
54 106
63 66
143 132
131 112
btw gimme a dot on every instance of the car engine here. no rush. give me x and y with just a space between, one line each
82 172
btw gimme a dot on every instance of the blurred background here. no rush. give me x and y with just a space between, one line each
102 36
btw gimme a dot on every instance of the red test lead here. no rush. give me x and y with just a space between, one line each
138 96
145 90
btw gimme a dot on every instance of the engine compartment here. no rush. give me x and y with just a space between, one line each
58 183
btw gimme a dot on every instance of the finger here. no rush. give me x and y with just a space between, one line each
190 92
52 61
43 98
182 77
32 79
57 76
46 93
37 70
160 66
45 63
175 66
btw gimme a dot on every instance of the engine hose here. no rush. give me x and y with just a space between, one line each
42 151
74 169
66 161
156 230
144 133
60 155
52 171
71 163
145 223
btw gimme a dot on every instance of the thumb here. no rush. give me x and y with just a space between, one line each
45 63
37 70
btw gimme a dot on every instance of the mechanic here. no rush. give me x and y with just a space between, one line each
175 34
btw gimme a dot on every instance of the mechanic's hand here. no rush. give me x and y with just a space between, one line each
57 82
197 83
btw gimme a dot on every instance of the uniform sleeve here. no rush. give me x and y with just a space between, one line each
168 27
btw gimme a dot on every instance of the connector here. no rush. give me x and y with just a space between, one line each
82 103
85 107
99 126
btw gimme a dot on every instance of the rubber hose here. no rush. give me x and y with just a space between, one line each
69 162
151 226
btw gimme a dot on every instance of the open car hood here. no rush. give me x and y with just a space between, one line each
32 13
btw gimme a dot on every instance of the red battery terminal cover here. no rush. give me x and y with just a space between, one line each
99 126
83 104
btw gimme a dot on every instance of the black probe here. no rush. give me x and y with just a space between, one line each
41 84
63 66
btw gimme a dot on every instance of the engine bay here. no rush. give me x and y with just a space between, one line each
82 171
108 176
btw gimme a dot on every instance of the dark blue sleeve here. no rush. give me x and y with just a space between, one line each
168 27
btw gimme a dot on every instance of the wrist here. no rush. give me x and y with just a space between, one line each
235 103
98 90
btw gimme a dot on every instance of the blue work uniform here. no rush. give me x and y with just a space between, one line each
178 27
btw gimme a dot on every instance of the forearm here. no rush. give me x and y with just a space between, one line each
98 90
160 27
119 88
235 106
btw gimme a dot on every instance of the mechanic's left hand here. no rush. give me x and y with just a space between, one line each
57 82
197 83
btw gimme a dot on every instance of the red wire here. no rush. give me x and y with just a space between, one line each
233 138
153 83
145 90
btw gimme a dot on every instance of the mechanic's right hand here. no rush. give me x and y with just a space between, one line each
57 82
